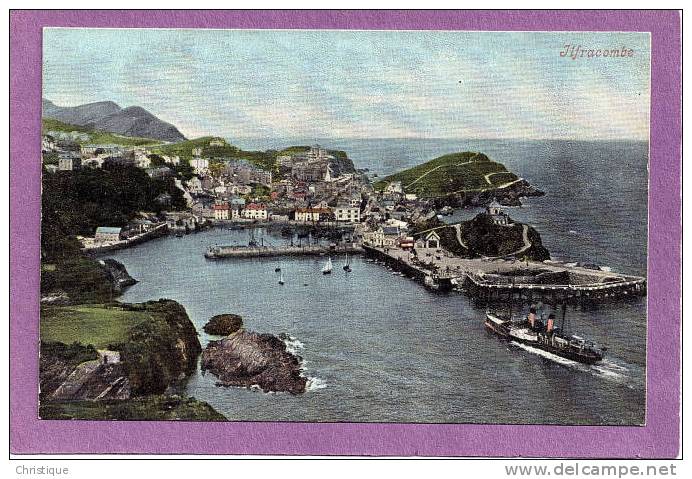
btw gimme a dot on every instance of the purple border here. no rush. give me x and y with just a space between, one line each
658 439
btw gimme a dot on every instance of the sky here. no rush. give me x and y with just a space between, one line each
358 84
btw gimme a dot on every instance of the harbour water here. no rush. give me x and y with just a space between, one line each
381 348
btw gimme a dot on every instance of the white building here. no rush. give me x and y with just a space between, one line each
347 214
200 165
142 161
68 162
284 161
498 216
311 214
194 185
255 211
432 240
107 234
222 211
394 187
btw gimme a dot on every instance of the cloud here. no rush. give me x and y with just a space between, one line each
356 84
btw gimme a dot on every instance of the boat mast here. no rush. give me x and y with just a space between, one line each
564 313
511 298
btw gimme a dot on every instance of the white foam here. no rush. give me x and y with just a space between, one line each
546 354
606 369
293 345
315 384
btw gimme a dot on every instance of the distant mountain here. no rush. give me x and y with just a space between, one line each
108 116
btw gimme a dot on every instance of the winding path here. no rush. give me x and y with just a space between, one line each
440 166
527 245
457 227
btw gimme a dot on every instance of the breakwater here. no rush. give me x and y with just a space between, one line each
217 252
504 279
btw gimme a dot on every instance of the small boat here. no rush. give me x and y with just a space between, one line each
281 278
277 269
327 267
347 266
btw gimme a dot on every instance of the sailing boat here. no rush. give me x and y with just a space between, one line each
347 266
327 267
281 278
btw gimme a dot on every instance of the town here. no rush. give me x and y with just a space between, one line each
305 191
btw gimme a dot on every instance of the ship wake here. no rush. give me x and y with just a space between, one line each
608 369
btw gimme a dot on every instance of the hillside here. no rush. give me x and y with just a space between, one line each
481 237
85 135
184 149
108 116
456 173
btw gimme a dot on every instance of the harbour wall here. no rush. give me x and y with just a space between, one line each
219 252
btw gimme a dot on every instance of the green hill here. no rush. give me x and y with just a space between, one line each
183 149
452 174
85 135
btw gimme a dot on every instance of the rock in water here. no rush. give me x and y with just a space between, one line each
247 358
117 274
223 324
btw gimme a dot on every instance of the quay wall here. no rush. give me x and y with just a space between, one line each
397 264
218 252
157 232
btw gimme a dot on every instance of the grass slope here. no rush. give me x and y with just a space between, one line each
449 174
95 136
98 325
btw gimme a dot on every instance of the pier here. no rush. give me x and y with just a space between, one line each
218 252
502 279
90 246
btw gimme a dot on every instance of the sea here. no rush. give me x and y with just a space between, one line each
379 347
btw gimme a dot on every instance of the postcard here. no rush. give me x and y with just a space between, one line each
329 230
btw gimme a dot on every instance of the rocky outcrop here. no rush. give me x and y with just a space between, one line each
58 361
484 238
92 381
162 351
84 280
509 196
117 274
223 324
248 359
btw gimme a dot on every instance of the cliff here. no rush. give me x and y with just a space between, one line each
114 352
80 279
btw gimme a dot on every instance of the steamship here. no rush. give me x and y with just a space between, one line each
532 332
